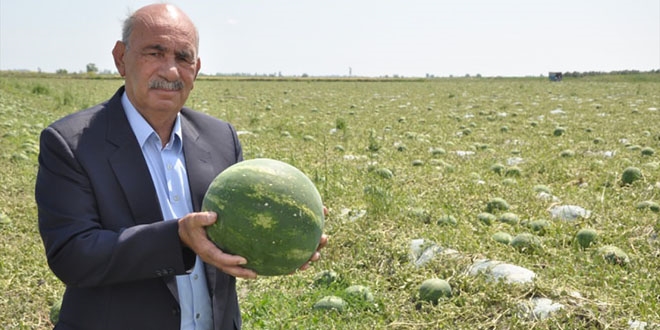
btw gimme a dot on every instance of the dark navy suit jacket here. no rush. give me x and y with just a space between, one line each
102 227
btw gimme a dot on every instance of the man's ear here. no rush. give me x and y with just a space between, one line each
198 66
118 54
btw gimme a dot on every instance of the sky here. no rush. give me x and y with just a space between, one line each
371 38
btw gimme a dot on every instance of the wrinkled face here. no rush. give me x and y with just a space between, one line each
159 63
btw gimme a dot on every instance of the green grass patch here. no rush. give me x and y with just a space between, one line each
397 161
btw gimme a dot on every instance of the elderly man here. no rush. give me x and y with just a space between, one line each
120 187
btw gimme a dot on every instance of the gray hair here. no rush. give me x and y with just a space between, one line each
127 29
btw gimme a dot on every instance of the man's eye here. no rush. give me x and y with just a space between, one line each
185 58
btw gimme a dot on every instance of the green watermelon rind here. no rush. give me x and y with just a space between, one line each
248 198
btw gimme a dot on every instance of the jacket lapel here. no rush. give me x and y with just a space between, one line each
199 163
200 170
129 165
132 172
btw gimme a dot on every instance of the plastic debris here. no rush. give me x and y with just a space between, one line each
421 251
540 308
497 270
569 212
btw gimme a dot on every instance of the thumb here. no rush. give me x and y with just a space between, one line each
209 218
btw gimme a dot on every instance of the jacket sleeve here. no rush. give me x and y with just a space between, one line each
88 247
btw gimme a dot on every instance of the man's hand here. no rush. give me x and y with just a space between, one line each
193 235
317 255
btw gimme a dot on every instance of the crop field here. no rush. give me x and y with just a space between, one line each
424 179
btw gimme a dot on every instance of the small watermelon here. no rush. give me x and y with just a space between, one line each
326 277
330 303
502 237
433 289
586 237
526 242
630 175
269 212
613 255
497 204
510 218
486 218
359 293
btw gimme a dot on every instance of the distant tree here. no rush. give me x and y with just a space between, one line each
91 68
61 71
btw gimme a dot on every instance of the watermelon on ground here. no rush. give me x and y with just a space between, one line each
433 289
269 212
330 303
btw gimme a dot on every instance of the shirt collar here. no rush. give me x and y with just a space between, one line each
143 131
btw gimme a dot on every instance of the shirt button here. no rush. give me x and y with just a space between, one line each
197 316
169 166
176 198
195 277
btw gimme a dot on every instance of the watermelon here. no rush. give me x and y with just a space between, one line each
486 218
359 293
330 303
526 242
630 175
325 278
433 289
496 204
269 212
502 237
613 255
586 237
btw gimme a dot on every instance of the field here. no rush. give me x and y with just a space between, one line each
400 160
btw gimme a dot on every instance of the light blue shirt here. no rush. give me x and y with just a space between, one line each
167 166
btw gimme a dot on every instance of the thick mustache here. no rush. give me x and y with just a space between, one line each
167 85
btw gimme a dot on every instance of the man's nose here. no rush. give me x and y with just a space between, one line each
169 69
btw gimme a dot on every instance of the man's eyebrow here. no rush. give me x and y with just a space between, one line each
184 54
179 53
157 47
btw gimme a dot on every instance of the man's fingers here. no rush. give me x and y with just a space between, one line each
191 227
228 263
240 272
228 260
193 235
232 265
323 242
315 257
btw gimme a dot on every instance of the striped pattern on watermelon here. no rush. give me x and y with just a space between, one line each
269 212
